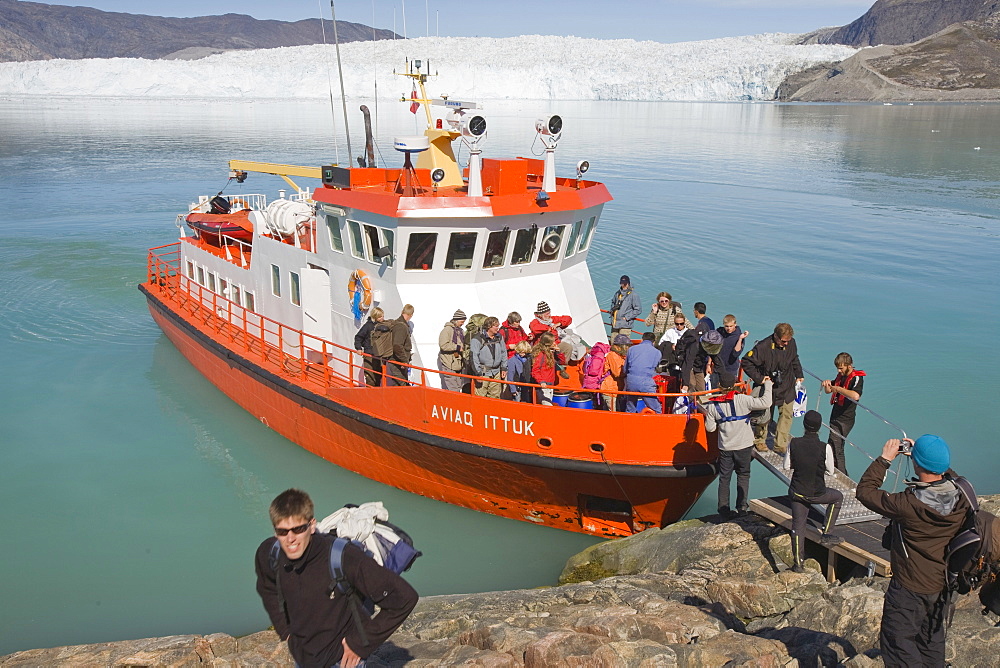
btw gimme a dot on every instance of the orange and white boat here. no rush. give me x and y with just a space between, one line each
271 321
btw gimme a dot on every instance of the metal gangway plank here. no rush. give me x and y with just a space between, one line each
851 511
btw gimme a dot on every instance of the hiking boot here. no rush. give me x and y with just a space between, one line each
829 540
742 512
726 513
780 451
797 568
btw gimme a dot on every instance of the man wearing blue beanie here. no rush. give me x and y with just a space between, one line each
924 518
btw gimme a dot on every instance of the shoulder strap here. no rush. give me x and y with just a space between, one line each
734 416
968 491
341 584
273 563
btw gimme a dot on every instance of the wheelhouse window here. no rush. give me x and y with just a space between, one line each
275 280
574 235
372 242
357 240
496 249
551 243
294 294
333 231
524 245
461 248
420 252
587 233
388 241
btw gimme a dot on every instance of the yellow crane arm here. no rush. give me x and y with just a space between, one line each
284 171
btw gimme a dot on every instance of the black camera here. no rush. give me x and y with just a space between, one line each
905 446
776 376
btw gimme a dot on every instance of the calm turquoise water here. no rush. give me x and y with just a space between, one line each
135 493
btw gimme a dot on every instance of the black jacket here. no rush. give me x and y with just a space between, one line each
316 624
781 364
808 455
363 339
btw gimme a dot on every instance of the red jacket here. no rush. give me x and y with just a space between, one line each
541 372
537 327
512 335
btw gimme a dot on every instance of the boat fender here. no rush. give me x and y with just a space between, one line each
359 292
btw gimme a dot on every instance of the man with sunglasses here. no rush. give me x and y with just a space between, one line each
298 592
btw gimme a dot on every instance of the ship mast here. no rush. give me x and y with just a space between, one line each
440 134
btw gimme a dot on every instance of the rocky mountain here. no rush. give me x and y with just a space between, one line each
905 21
924 50
960 62
36 31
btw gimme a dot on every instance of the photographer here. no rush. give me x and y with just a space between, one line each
776 356
925 517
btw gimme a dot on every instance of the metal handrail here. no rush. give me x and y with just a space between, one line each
260 328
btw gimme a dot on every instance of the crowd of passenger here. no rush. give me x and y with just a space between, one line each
701 364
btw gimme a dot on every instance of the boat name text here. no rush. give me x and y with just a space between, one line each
494 422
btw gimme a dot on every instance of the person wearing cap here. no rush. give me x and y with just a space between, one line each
728 412
776 356
554 324
625 308
450 359
640 366
924 518
810 460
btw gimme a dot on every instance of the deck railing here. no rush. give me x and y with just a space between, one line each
303 356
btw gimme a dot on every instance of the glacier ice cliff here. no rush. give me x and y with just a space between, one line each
479 68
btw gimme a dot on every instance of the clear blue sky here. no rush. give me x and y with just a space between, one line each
659 20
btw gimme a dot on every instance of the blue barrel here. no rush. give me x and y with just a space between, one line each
560 397
580 400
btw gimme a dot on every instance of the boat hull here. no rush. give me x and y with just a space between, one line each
583 496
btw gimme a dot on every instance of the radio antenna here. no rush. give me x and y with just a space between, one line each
340 71
329 82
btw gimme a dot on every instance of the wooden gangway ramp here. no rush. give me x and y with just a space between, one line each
860 528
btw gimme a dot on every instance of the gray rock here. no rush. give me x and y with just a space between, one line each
697 594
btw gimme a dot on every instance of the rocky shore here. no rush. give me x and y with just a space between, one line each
698 593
